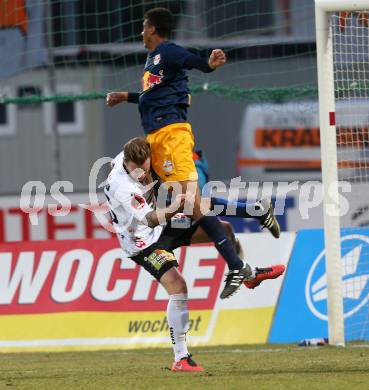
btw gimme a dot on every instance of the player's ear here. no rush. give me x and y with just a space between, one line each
152 29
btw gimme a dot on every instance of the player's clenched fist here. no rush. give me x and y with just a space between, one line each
217 58
114 98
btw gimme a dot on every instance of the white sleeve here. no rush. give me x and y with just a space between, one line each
133 202
117 161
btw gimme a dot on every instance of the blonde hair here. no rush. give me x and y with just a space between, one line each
137 150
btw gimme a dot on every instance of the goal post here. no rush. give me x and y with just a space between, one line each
329 176
328 14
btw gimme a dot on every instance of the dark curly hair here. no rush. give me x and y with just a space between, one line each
162 19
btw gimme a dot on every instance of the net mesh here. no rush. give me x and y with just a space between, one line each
74 51
351 80
92 46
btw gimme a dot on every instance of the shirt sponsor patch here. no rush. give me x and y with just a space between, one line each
160 257
149 79
156 59
168 166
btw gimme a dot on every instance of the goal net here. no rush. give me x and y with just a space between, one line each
351 83
71 52
344 106
91 46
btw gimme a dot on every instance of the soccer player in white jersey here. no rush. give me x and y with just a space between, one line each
150 244
144 239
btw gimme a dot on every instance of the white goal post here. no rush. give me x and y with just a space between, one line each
327 116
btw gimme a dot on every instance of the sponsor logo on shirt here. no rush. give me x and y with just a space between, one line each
156 59
168 166
149 80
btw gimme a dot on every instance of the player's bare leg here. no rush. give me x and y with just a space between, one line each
178 320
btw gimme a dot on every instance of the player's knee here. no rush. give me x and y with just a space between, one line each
228 228
174 282
178 285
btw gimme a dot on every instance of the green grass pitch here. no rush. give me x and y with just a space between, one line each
237 367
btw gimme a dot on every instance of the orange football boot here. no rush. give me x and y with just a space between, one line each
186 364
272 272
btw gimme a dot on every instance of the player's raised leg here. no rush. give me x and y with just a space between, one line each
258 274
238 269
262 210
172 160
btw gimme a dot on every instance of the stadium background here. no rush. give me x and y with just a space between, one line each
71 53
96 47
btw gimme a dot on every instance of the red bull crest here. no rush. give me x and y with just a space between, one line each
149 80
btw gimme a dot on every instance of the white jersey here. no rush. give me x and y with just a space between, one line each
128 206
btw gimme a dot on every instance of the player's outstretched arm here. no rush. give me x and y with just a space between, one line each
192 61
114 98
217 58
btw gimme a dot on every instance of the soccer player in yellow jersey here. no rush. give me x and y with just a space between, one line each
163 105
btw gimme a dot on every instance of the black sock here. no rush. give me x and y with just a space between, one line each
214 229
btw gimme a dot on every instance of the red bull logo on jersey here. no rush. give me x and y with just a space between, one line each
13 14
149 80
